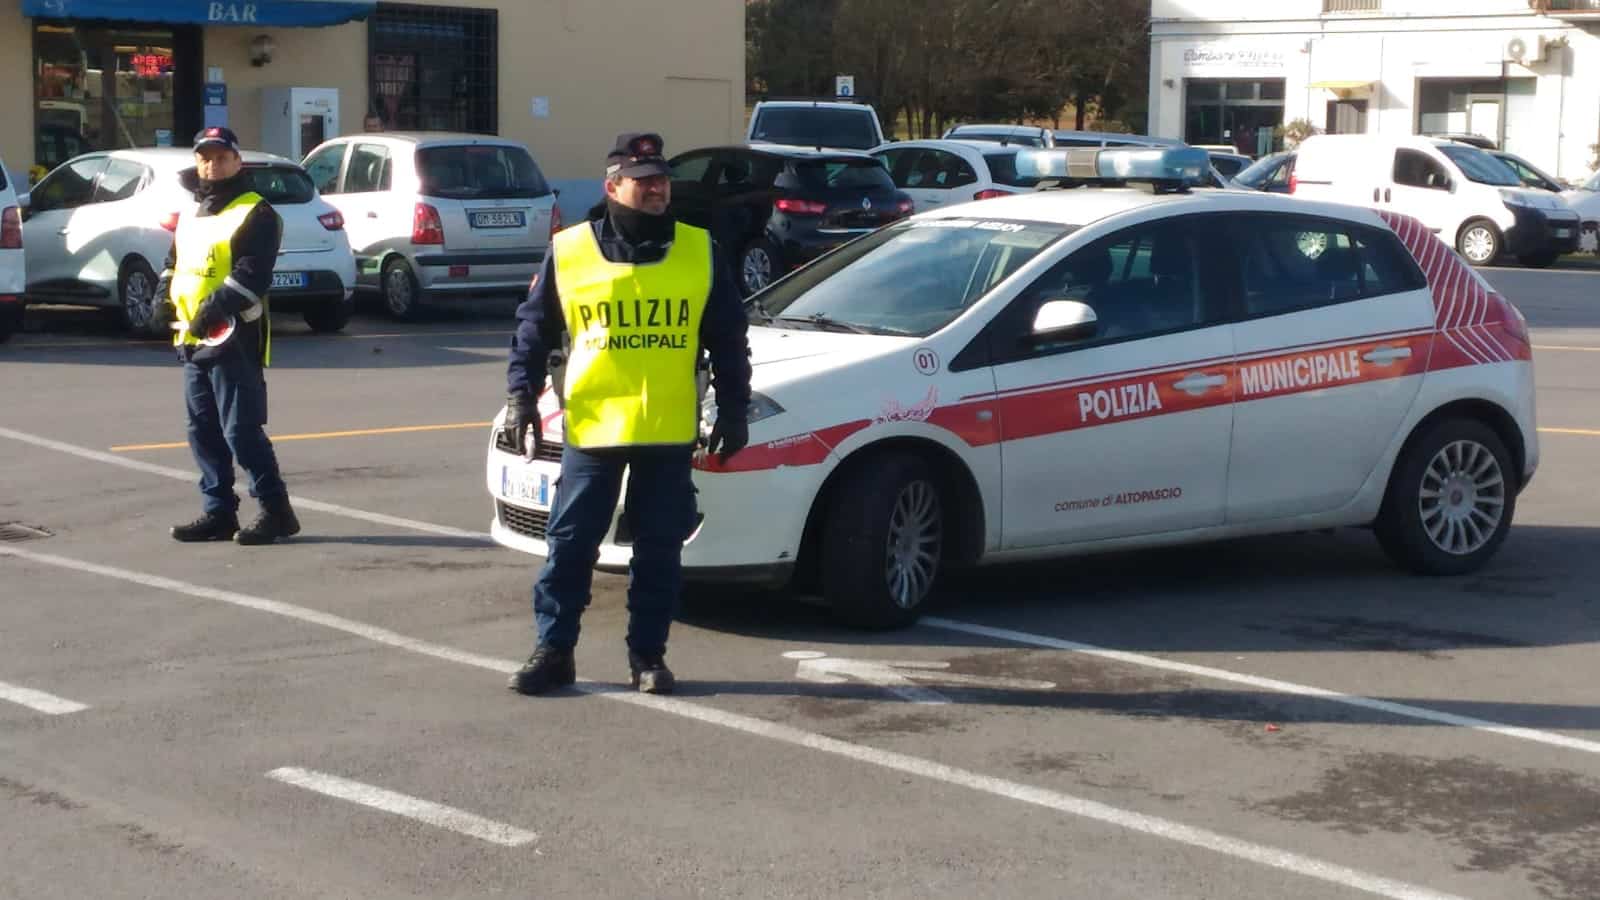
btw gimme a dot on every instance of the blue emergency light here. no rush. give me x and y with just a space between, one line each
1179 166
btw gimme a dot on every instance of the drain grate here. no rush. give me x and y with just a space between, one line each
16 532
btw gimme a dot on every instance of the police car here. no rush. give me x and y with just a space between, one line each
1101 368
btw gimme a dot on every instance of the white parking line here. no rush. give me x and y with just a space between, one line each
1153 826
1399 709
39 701
1404 710
303 502
435 814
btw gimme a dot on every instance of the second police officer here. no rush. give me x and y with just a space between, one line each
638 295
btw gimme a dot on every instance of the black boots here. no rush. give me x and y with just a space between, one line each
209 527
276 521
650 673
547 669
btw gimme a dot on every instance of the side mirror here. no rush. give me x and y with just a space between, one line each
1062 320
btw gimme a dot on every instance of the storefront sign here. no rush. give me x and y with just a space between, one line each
216 95
1220 56
206 12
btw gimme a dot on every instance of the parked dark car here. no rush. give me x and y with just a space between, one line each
1269 173
1229 164
1530 174
775 208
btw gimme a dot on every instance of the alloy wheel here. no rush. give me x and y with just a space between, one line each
757 269
1478 244
1463 497
916 531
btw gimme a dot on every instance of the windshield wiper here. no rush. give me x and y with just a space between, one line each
824 322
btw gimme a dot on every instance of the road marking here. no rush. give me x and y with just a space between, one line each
1404 710
320 435
333 509
1399 709
1575 349
900 677
435 814
1586 432
39 701
1154 826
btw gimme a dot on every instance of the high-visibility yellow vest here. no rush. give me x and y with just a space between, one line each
635 330
205 263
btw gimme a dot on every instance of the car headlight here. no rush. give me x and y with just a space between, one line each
761 407
1512 198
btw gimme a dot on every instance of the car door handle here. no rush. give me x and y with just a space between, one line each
1384 356
1198 383
1374 195
371 214
1388 196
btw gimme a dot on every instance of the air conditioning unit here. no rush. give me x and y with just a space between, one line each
1528 49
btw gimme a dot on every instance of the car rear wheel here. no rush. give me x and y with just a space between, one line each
758 266
402 296
136 292
10 319
1539 260
883 542
331 317
1450 500
1479 242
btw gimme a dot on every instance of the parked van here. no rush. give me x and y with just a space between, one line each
1466 196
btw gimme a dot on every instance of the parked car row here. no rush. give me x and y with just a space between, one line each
412 216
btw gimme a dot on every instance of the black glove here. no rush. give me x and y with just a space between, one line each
206 319
728 436
522 417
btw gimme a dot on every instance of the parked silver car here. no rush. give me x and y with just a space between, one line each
436 215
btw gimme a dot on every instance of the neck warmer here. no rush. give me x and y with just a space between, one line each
638 227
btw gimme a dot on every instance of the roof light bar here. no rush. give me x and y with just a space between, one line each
1157 165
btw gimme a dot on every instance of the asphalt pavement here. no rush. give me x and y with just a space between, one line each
1277 717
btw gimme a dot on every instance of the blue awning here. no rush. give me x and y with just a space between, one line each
259 13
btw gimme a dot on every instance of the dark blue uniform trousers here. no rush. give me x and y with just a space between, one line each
227 400
660 512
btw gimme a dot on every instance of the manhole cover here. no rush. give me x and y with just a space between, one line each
14 532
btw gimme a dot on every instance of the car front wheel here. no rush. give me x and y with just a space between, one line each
883 542
758 266
1450 500
1479 242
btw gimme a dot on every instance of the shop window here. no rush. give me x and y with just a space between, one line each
435 68
1236 112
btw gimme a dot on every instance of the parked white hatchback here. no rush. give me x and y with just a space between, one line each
13 264
99 227
433 215
1070 371
937 173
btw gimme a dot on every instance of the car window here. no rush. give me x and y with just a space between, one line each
369 169
1480 166
69 186
479 172
1229 165
740 172
1414 168
280 185
1291 263
1140 282
911 278
940 170
691 166
1262 172
323 167
119 181
816 126
1003 170
831 174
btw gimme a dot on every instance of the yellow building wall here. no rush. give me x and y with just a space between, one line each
603 67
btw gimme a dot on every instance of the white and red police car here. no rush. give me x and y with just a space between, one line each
1102 368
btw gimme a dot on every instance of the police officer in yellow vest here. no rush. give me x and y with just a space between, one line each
216 280
638 296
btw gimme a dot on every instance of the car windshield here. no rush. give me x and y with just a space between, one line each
1003 169
816 126
1481 167
1593 184
280 185
1258 173
912 278
829 174
479 172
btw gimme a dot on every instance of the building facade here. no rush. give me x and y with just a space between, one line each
564 76
1524 73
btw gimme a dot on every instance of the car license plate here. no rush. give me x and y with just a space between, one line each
498 219
291 280
526 487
